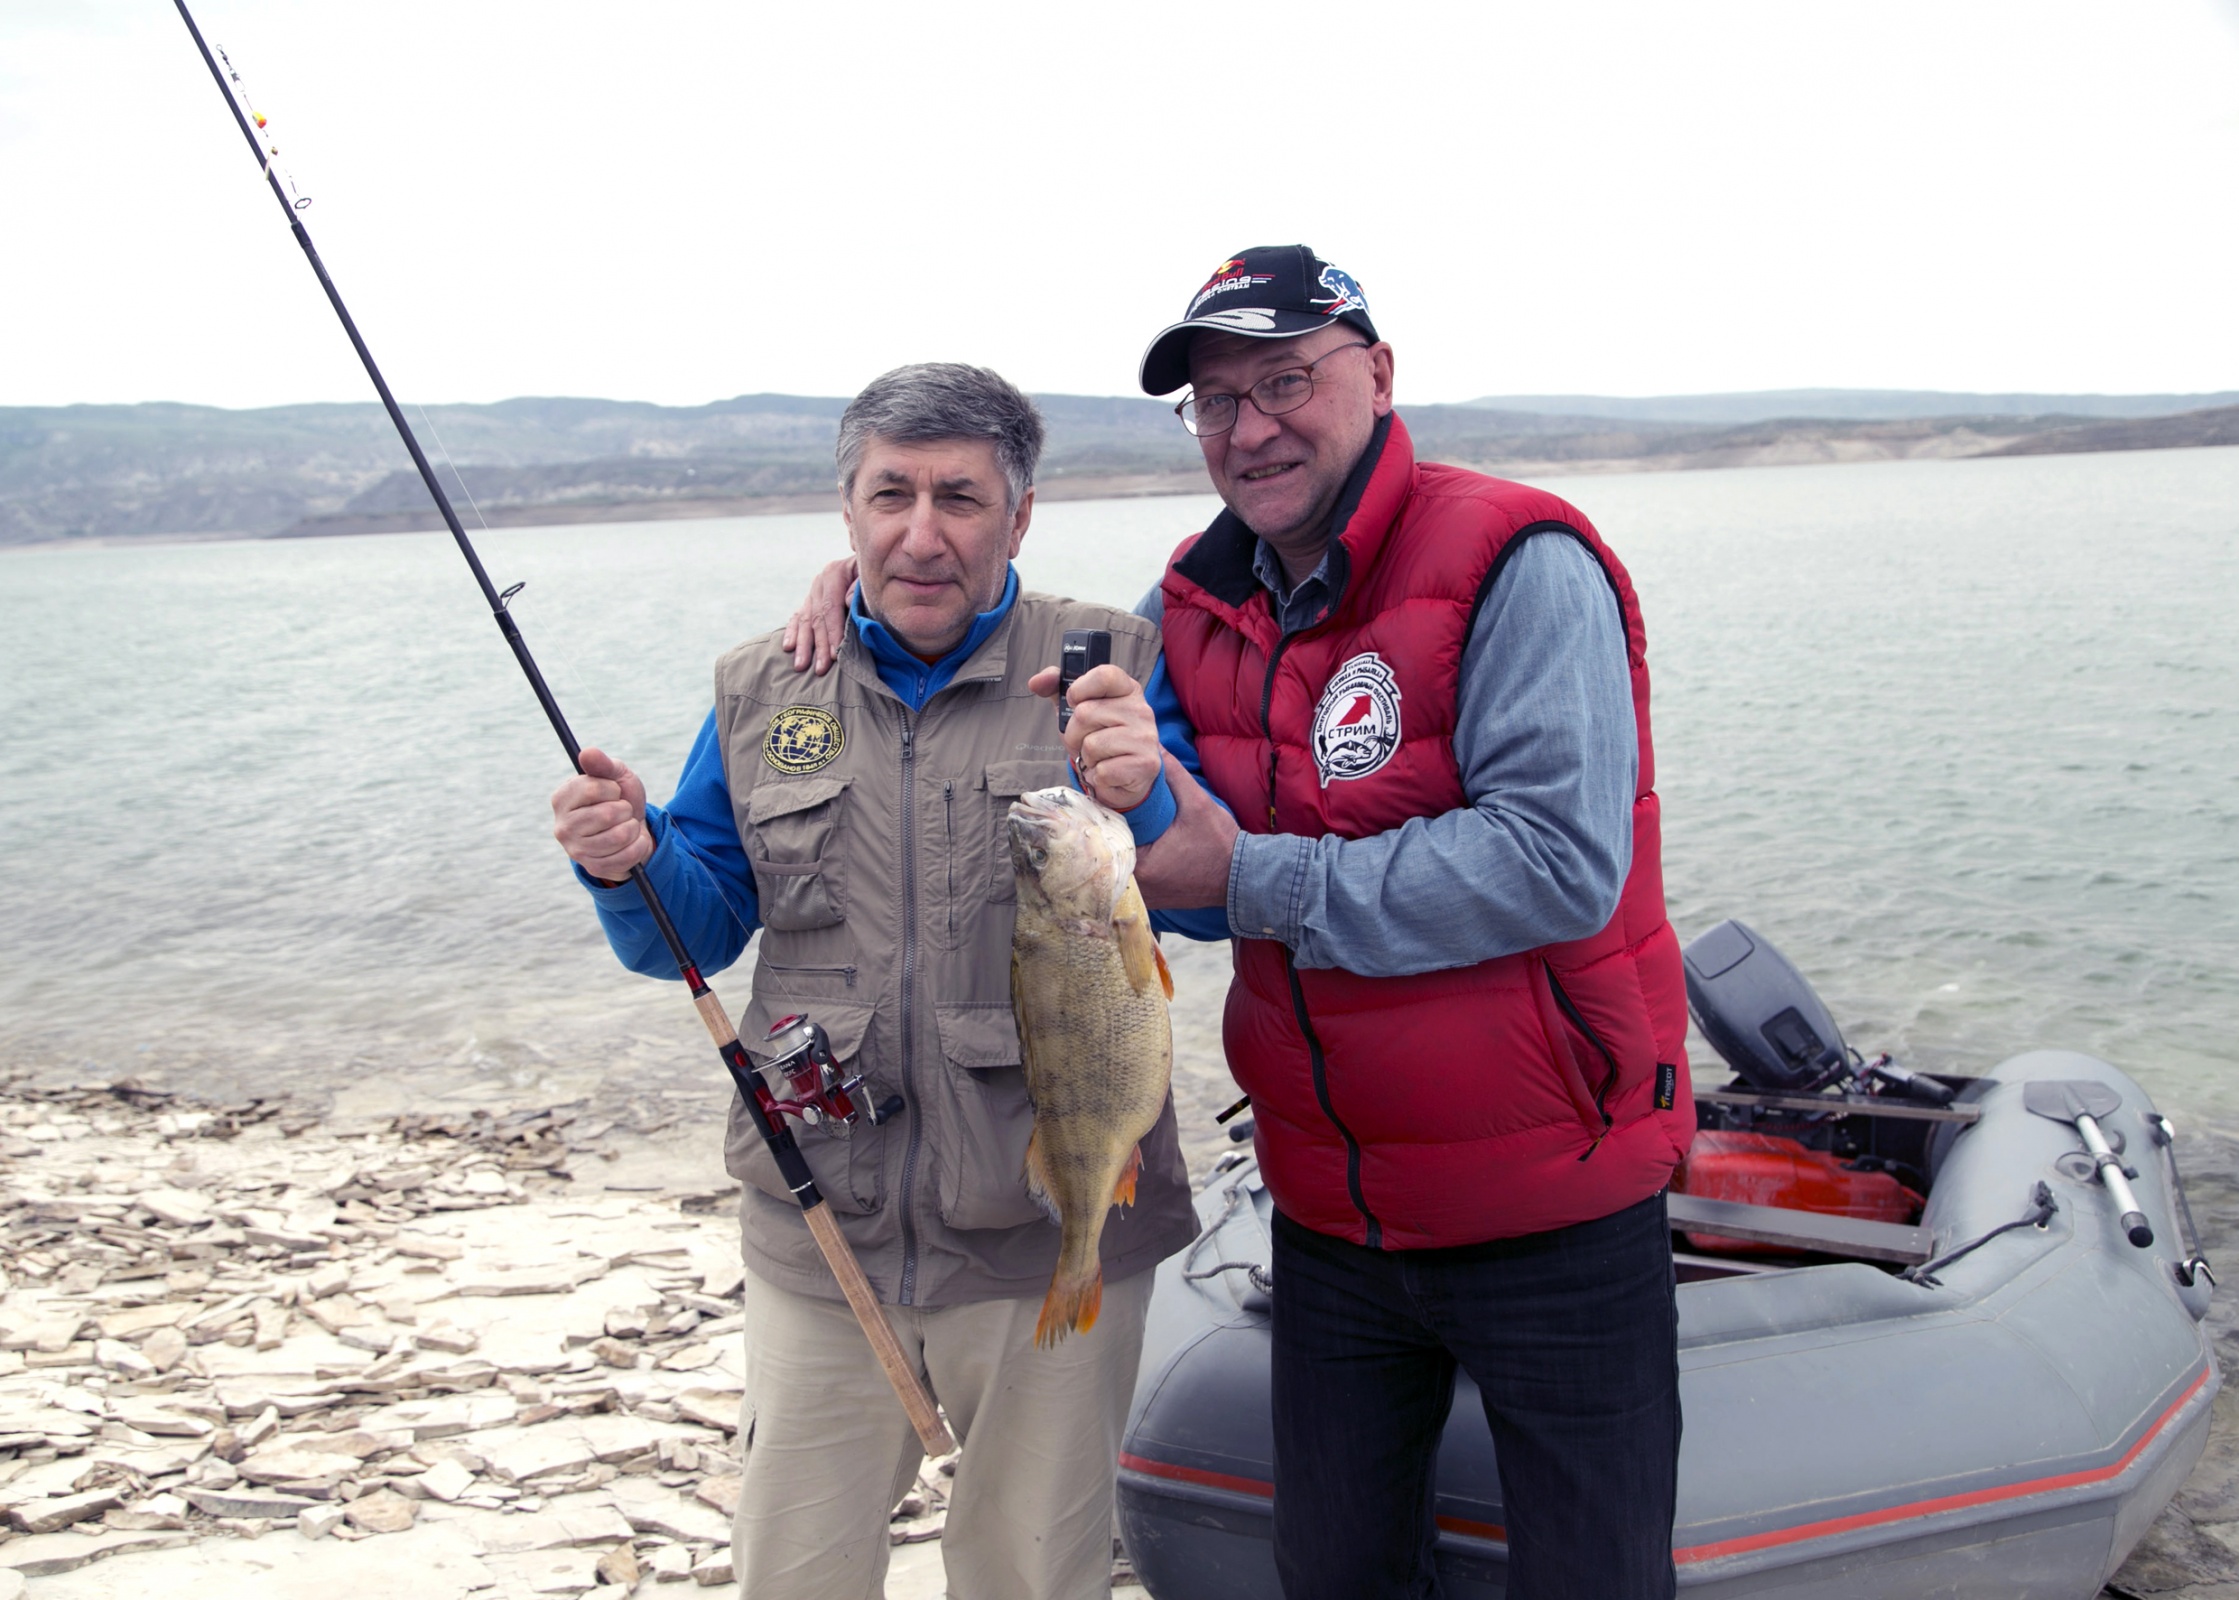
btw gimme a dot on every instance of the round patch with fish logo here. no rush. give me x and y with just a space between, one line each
1356 727
803 739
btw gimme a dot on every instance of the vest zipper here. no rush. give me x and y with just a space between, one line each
1609 1081
1375 1229
1375 1235
909 998
1266 701
948 826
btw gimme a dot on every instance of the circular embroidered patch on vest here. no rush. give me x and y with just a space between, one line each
803 739
1356 727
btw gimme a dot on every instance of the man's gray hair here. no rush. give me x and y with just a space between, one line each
935 400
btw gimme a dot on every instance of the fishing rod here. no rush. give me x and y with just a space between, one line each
804 1081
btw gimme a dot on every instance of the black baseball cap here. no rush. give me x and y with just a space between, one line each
1273 291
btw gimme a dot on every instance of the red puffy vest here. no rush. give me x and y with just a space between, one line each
1524 1093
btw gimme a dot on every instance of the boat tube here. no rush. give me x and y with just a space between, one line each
1993 1401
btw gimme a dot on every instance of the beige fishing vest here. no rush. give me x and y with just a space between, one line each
881 860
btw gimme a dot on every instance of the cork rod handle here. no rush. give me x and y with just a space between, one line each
931 1431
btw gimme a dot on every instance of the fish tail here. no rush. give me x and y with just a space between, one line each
1123 1192
1071 1306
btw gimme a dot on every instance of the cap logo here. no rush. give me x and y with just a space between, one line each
1345 294
1244 319
1356 726
1227 277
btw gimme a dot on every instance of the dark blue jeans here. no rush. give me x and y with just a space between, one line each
1572 1338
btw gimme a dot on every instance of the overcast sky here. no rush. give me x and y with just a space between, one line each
678 201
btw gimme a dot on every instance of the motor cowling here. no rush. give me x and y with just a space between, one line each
1759 1013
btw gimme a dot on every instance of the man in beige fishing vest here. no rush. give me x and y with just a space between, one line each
858 821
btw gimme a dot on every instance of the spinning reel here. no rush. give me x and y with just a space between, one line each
798 1078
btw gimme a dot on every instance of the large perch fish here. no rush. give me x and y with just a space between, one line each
1090 990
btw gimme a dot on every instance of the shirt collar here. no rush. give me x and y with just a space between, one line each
889 651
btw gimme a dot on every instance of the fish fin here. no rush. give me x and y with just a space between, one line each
1038 1177
1123 1192
1070 1306
1131 926
1165 973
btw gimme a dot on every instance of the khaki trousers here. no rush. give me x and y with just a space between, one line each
827 1451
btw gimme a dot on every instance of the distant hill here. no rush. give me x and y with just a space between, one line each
1856 405
71 472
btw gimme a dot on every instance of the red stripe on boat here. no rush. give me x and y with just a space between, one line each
1949 1502
1211 1480
1751 1542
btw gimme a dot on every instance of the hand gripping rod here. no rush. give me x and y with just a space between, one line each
776 1133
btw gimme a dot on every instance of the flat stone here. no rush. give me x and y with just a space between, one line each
154 1514
383 1511
446 1480
271 1326
332 1278
177 1208
561 1278
619 1567
691 1358
650 1508
165 1348
243 1501
152 1416
528 1350
582 1520
446 1416
289 1462
721 1492
617 1436
49 1422
562 1572
120 1358
672 1563
45 1554
316 1522
517 1454
427 1247
137 1320
447 1337
713 1569
56 1512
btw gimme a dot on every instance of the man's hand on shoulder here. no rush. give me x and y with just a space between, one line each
1187 867
599 818
1112 738
813 633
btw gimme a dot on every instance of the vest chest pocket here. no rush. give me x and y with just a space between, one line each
800 876
1005 782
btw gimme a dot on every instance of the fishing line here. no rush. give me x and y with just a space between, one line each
812 1089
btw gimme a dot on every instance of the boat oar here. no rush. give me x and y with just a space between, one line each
776 1132
2081 1102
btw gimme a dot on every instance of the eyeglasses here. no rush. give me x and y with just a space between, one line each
1277 393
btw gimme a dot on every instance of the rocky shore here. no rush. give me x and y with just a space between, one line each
245 1349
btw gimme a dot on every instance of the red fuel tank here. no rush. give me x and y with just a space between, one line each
1763 1169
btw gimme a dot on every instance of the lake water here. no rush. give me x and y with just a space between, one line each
1961 737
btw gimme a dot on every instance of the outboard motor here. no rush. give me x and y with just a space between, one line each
1759 1013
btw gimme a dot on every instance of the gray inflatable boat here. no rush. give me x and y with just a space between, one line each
1994 1401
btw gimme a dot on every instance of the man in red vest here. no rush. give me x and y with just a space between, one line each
1422 695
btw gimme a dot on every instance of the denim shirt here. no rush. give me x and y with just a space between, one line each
1548 752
